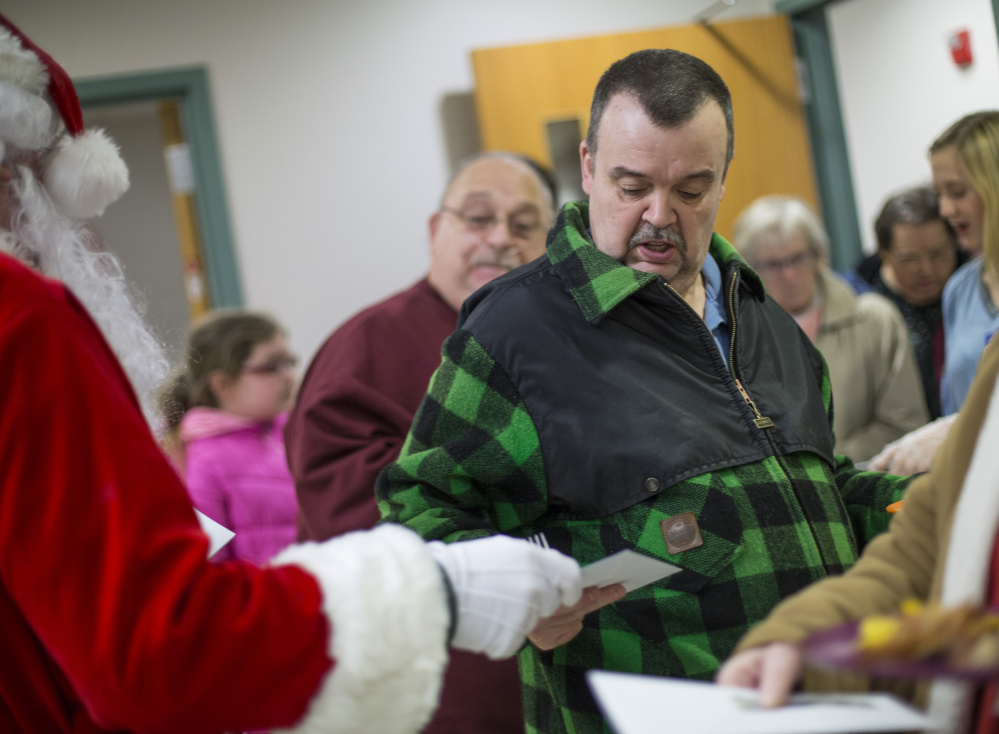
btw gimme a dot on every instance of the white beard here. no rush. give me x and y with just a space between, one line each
64 249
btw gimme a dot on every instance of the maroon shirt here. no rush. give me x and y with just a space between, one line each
354 410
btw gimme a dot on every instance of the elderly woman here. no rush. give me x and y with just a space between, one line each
877 391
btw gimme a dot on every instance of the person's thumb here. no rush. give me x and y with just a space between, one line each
781 670
565 576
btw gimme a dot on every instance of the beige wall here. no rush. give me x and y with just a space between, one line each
329 118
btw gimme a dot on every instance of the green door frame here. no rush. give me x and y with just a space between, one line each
824 115
825 125
190 85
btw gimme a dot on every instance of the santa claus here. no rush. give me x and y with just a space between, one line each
111 618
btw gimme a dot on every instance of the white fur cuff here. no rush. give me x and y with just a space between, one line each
384 598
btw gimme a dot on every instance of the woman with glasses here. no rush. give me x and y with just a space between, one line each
876 387
227 408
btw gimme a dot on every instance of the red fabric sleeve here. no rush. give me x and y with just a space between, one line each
102 556
356 406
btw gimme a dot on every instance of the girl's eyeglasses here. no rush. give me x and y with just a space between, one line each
272 366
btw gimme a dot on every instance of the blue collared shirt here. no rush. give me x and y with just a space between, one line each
715 316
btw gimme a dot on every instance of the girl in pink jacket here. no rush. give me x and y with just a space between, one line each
228 407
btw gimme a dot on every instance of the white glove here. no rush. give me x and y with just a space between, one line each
502 587
913 452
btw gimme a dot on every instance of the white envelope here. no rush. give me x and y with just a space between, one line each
626 567
218 535
645 704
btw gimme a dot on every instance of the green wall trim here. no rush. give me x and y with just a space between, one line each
824 115
995 14
190 85
793 7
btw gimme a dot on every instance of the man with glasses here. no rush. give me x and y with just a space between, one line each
865 343
359 395
917 254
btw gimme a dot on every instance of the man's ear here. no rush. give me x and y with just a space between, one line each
586 166
433 227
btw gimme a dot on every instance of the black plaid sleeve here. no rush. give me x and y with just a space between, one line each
472 462
866 494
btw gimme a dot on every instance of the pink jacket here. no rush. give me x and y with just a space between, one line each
237 474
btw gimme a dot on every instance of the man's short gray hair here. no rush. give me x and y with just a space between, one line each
548 186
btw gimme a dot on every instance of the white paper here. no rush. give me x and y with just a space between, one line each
645 704
218 535
180 171
626 567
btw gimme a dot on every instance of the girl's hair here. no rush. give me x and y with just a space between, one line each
221 342
976 138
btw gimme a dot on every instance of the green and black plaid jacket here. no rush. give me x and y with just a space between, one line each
474 465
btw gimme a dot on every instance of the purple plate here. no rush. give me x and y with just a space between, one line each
835 648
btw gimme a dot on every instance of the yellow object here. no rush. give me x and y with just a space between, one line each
894 507
912 607
876 631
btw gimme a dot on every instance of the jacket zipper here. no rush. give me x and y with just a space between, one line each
760 421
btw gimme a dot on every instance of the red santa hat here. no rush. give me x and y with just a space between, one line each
83 172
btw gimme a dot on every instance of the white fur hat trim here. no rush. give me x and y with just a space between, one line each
20 66
25 118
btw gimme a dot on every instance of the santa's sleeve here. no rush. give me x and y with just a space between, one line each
383 596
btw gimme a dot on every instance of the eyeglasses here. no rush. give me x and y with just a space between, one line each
272 366
480 220
798 261
910 261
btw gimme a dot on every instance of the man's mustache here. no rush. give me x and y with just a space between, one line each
665 234
507 261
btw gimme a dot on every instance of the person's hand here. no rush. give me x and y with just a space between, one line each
774 669
567 622
502 587
914 452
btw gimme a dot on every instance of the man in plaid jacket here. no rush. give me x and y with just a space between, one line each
635 388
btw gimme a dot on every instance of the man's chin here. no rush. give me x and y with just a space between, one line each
667 271
923 297
484 273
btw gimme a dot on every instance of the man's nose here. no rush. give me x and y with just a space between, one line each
660 212
501 236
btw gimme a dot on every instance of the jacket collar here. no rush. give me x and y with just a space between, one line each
839 302
598 282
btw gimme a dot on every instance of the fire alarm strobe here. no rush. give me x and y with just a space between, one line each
960 47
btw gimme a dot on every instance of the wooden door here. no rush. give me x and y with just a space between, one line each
522 92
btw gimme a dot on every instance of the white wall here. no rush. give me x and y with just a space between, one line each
900 89
329 117
141 229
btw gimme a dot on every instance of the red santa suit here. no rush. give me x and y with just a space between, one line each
353 412
111 617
